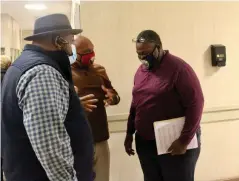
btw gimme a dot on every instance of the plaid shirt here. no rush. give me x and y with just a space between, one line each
43 96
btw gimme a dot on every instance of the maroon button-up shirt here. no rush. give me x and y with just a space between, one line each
170 90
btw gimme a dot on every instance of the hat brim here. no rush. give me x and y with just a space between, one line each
66 31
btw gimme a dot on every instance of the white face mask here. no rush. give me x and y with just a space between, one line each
73 57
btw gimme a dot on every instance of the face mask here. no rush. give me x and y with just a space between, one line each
87 59
73 57
149 60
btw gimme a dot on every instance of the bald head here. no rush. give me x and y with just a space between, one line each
83 45
85 52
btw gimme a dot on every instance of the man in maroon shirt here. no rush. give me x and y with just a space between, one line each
165 87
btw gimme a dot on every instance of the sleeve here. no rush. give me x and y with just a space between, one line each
189 89
44 100
131 119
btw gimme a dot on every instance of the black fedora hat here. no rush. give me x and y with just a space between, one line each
50 24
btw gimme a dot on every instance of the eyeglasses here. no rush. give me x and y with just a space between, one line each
142 40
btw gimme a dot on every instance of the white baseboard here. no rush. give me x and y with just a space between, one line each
233 179
118 123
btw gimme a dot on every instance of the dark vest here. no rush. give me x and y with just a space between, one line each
3 71
19 160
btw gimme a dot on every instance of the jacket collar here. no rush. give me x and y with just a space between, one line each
60 57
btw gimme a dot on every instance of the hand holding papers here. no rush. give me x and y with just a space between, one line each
167 131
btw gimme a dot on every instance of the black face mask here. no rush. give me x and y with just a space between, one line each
149 60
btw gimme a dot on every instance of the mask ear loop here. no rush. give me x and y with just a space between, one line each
79 59
161 53
59 42
157 47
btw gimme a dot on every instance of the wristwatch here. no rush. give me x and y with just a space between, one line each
116 99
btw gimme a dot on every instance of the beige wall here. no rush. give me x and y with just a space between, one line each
187 29
11 35
25 33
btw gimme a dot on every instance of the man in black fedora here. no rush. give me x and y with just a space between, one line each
45 135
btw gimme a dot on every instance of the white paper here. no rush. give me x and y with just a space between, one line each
167 131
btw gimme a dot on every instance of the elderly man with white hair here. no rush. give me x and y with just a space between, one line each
5 63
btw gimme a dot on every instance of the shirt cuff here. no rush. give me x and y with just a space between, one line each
130 132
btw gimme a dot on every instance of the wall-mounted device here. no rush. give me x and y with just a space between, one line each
218 53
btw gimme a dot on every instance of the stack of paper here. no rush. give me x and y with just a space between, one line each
167 131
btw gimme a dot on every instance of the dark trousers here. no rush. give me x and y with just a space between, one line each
165 167
1 171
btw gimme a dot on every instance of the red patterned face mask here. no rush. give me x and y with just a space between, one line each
87 59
